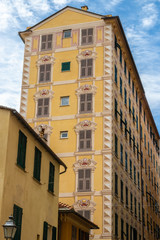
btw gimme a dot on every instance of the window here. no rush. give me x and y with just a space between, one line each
37 164
139 211
138 180
65 101
121 119
137 122
43 107
121 191
129 78
133 88
116 224
130 168
127 231
141 131
144 140
136 96
130 138
134 174
85 140
84 180
122 229
146 194
126 162
120 55
65 66
129 105
115 74
86 103
45 230
135 207
131 233
64 134
126 128
17 214
54 233
116 145
115 109
85 213
131 202
116 184
87 36
125 67
46 42
22 142
67 33
51 177
133 113
121 86
121 149
86 68
45 73
127 197
74 233
125 96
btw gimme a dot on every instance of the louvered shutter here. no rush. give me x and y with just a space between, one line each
80 179
49 42
89 102
81 139
42 73
45 230
54 233
87 214
87 179
82 103
89 67
21 150
83 68
84 36
37 164
40 106
17 214
88 139
46 106
90 35
51 178
48 73
43 45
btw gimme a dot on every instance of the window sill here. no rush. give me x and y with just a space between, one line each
84 153
87 45
84 193
37 181
86 78
67 105
23 169
62 71
52 193
83 115
44 83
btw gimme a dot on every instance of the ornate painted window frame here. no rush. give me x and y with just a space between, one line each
45 60
44 93
85 125
87 54
47 130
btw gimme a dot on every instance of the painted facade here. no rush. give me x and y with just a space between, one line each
28 188
81 84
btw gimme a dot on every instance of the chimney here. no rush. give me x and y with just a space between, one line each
84 8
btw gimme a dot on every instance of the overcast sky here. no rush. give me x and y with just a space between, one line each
140 20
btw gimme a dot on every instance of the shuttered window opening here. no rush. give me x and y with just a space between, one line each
84 180
85 213
74 233
43 107
85 140
51 178
54 233
37 164
65 66
45 73
46 43
87 68
86 103
87 36
45 230
21 156
17 214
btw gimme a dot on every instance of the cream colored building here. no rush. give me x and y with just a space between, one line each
80 83
29 179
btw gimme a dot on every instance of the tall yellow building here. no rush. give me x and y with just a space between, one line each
29 179
81 85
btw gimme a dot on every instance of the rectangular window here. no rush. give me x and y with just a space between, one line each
133 88
45 73
133 114
131 233
130 168
145 166
137 122
127 197
43 107
144 140
135 207
146 194
142 187
138 180
17 214
121 191
21 156
131 202
134 145
115 74
45 230
65 101
120 55
121 86
85 140
64 134
130 138
129 106
122 229
141 131
37 164
67 33
86 68
74 233
116 184
65 66
127 231
121 157
126 161
84 180
129 78
46 42
126 128
86 103
116 225
125 96
115 109
51 177
116 145
87 36
54 233
85 213
136 96
134 174
139 211
125 67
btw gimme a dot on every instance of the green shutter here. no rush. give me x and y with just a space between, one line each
53 233
21 150
51 178
65 66
45 230
17 214
37 164
115 72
